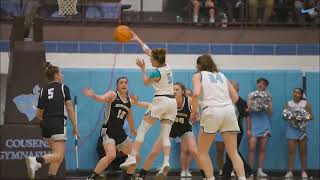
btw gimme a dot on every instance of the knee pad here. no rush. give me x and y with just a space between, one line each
165 133
143 129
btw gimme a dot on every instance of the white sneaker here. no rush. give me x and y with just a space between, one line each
289 175
261 174
188 174
183 174
212 20
304 175
32 166
163 172
195 19
130 161
233 174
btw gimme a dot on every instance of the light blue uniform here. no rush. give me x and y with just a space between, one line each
260 124
296 133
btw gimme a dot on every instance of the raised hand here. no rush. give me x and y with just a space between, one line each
88 92
140 63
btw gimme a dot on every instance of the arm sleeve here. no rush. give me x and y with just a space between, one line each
67 93
155 74
40 100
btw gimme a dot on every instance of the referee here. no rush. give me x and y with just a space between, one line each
241 111
53 100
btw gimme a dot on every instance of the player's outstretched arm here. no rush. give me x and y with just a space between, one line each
144 47
196 83
135 101
107 97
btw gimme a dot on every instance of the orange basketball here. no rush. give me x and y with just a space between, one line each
122 34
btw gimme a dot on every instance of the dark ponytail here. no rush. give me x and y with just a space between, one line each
50 71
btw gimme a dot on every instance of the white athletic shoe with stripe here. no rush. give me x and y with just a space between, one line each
32 166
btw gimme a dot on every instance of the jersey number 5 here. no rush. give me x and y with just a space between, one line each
121 114
50 93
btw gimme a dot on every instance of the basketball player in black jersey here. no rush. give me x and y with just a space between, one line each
181 128
51 104
112 132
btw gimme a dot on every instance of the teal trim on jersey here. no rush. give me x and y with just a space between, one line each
155 74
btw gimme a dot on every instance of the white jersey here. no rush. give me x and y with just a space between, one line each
215 91
293 106
165 85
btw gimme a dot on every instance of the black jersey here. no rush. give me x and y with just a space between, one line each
182 122
52 100
115 115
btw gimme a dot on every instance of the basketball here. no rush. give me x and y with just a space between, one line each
122 34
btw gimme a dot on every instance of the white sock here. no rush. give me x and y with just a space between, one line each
259 169
133 153
242 178
195 18
212 178
166 159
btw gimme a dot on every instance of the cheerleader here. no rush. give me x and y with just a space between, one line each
163 106
260 128
181 128
53 100
297 136
114 136
217 114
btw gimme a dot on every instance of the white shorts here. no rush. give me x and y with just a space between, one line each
163 108
222 119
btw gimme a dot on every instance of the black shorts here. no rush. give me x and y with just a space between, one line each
54 128
118 136
179 130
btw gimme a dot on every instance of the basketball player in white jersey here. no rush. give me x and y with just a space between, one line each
217 114
163 106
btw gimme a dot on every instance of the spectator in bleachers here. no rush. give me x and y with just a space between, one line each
203 4
234 9
256 5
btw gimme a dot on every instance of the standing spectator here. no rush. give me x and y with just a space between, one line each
296 135
200 4
267 5
260 128
234 9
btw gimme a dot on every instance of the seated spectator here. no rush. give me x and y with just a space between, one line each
267 6
234 9
204 4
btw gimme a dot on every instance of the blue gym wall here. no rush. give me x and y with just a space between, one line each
90 114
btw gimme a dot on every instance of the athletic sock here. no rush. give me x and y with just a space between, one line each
40 160
242 178
166 159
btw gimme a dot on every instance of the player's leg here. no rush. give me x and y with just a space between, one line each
165 128
126 148
58 149
192 150
156 149
204 144
144 127
230 140
110 150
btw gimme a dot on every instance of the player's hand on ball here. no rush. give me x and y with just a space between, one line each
140 63
88 92
134 36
